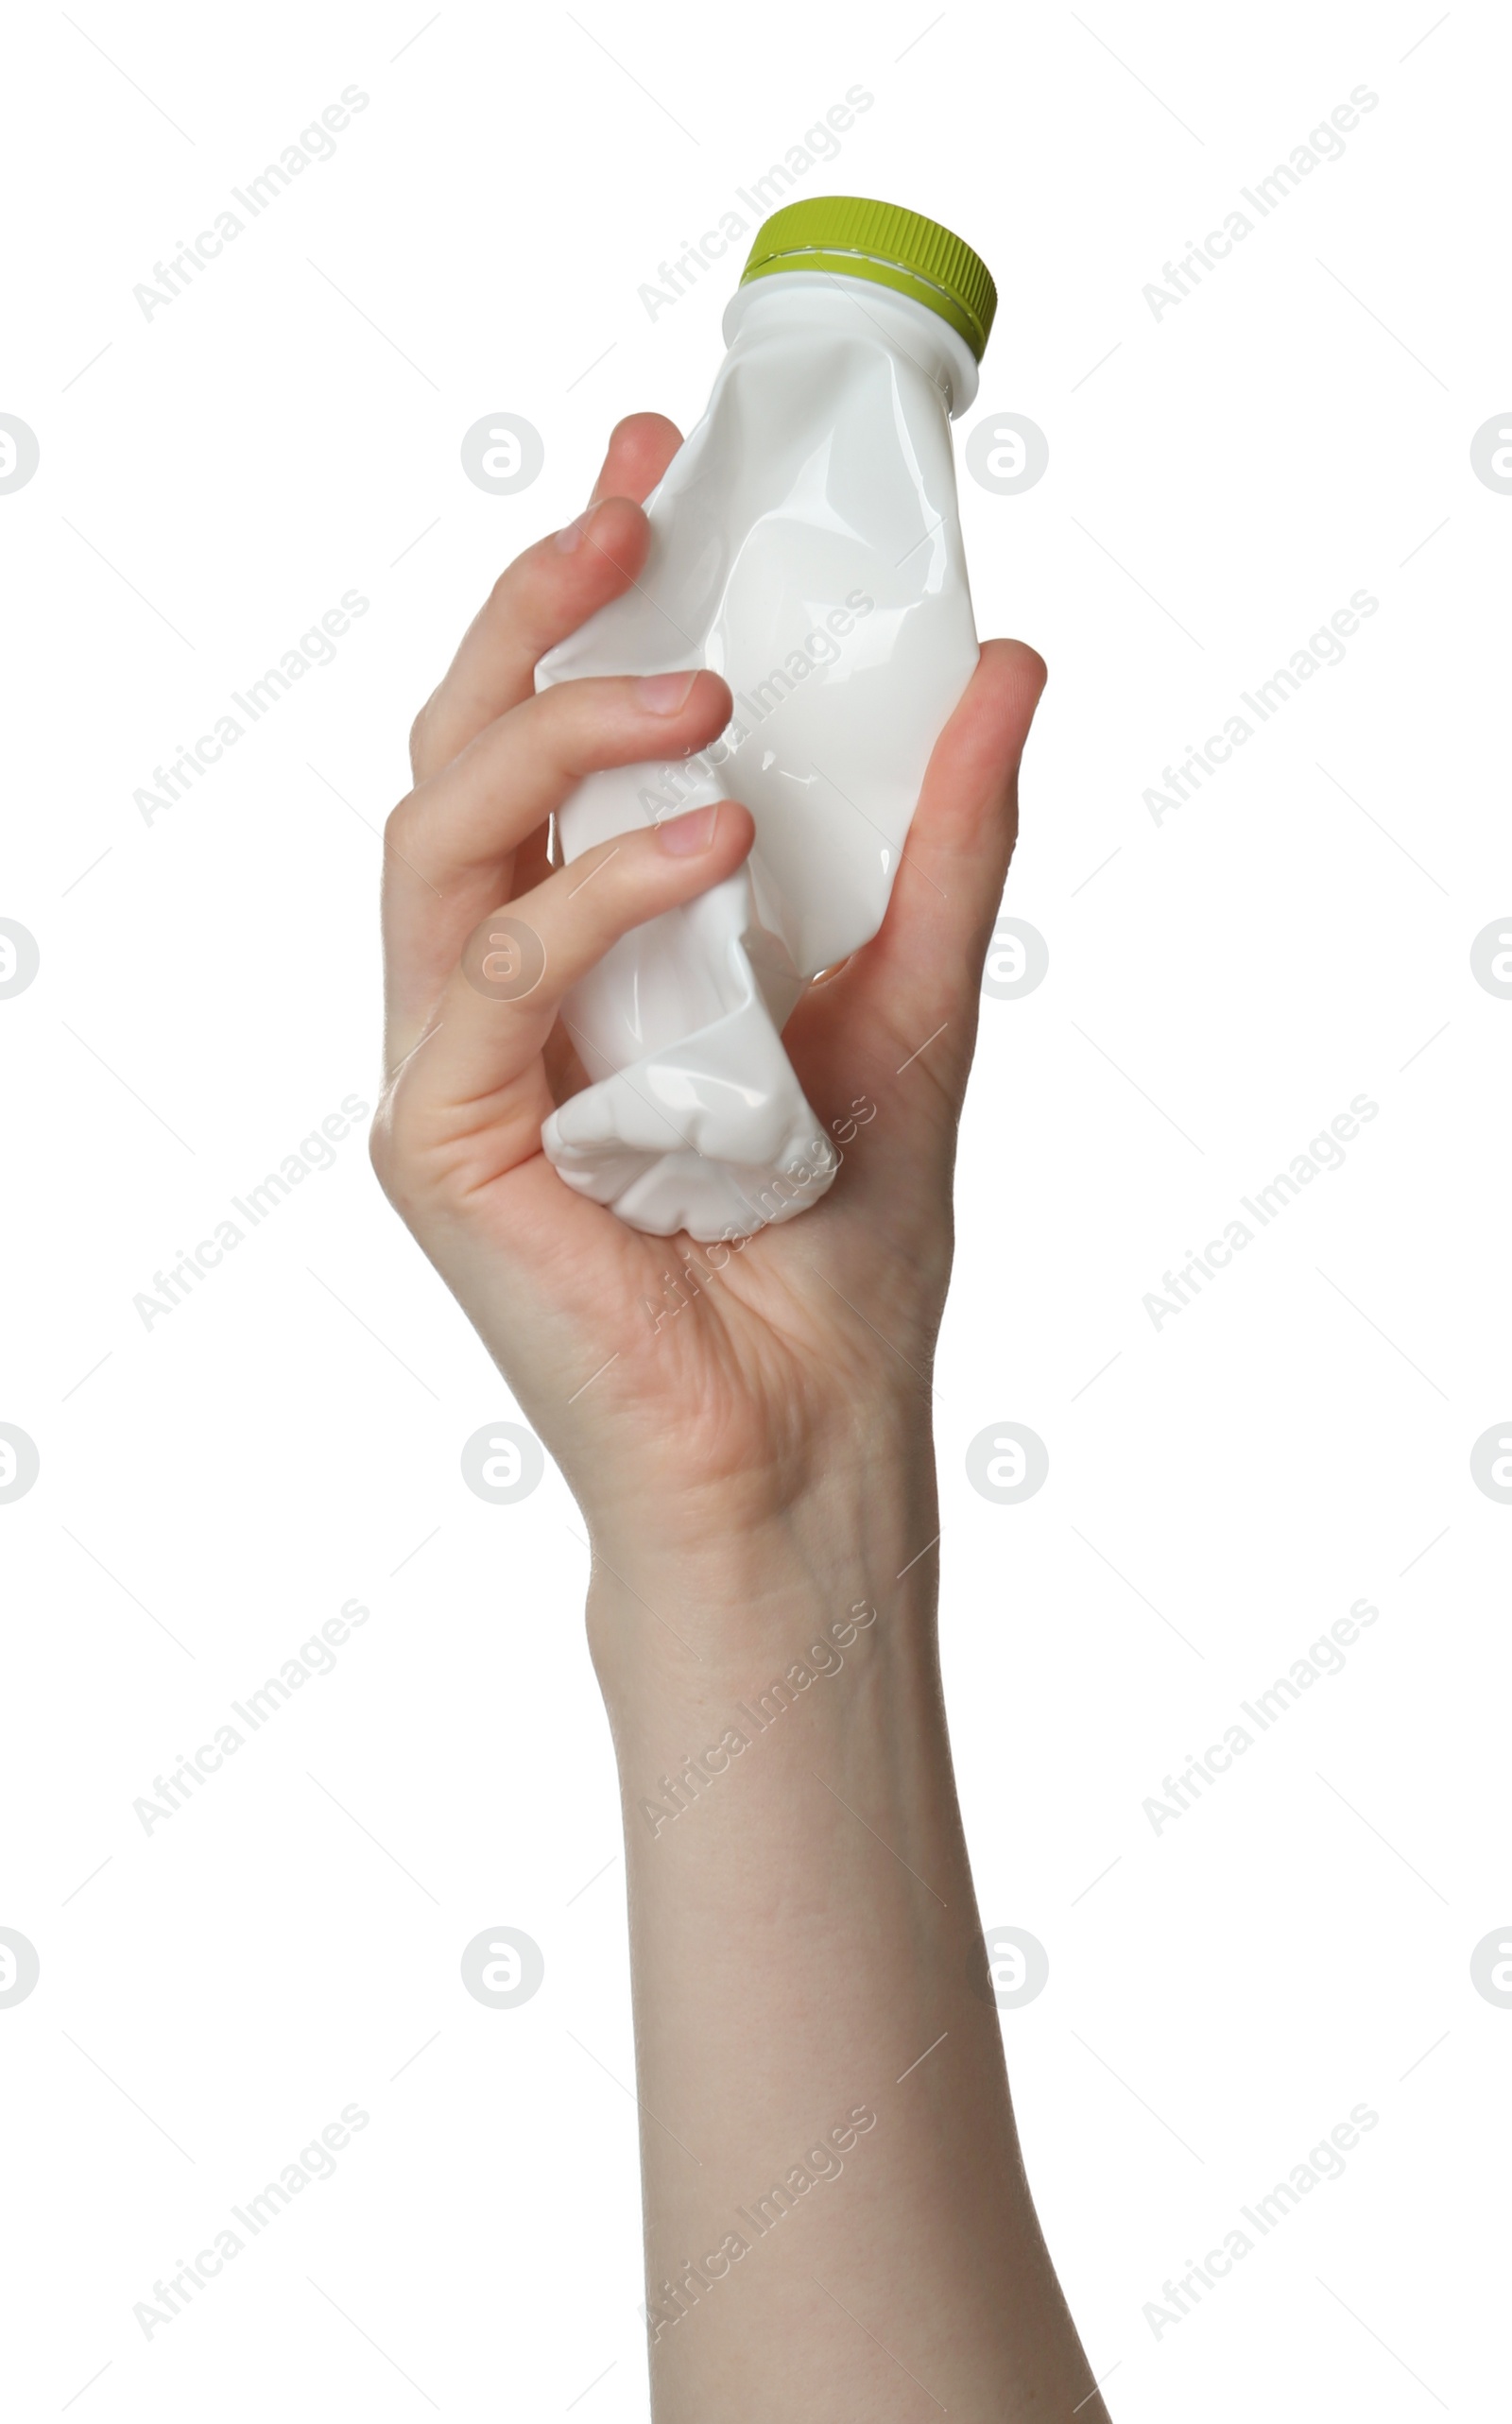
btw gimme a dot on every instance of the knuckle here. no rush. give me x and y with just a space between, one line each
392 1154
381 1148
419 736
396 824
590 721
568 721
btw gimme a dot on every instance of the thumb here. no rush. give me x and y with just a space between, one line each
925 967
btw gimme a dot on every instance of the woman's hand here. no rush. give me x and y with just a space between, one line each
747 1429
687 1392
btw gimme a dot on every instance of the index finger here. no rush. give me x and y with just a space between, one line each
544 594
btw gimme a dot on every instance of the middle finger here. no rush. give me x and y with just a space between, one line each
449 844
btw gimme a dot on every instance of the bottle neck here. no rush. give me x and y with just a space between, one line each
791 300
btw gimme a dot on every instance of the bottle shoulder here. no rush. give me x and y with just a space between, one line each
803 308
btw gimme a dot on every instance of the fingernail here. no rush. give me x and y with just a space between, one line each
572 535
663 694
684 836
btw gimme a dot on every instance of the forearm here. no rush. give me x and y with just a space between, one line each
812 2017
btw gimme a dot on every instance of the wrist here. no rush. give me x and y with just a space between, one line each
793 1672
681 1613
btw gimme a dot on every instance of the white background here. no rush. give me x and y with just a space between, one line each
214 1487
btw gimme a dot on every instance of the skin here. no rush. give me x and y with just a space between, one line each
748 1433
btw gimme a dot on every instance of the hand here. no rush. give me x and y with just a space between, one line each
746 1430
686 1391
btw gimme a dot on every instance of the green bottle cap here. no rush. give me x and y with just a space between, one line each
840 235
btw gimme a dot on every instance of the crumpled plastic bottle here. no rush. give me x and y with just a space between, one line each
806 545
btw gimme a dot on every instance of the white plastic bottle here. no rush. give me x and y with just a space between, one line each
806 545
